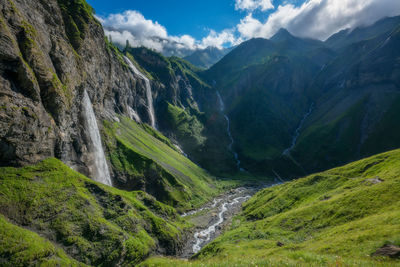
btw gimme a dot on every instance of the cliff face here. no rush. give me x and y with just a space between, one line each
44 70
51 52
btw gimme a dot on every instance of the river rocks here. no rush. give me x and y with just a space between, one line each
211 224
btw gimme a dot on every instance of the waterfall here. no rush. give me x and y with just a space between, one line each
228 130
97 162
297 132
149 97
133 115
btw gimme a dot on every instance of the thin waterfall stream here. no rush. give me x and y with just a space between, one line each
228 130
149 97
297 131
97 161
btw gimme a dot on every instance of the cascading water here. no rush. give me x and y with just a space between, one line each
228 130
97 162
203 237
297 132
149 96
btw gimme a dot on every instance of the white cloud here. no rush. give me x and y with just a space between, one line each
251 5
139 31
219 39
319 19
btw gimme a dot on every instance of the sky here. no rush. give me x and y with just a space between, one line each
181 26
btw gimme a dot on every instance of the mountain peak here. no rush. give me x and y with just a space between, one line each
282 35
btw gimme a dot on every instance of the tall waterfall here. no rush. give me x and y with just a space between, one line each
149 97
97 162
228 130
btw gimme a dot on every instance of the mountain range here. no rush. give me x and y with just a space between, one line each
102 148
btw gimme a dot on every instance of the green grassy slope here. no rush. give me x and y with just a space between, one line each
21 247
75 216
149 163
338 217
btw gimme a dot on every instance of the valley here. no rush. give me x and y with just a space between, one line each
278 151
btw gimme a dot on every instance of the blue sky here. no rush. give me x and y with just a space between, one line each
180 17
179 26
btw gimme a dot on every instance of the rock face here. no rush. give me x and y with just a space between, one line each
51 52
389 251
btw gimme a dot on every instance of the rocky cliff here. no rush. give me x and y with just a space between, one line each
53 53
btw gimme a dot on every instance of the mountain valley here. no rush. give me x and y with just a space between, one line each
274 152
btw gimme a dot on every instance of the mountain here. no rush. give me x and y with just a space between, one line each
355 109
328 218
347 37
110 156
73 106
297 106
264 84
205 58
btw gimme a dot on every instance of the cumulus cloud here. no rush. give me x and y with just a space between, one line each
316 19
319 19
252 5
139 31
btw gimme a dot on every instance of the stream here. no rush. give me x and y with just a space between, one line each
228 130
212 218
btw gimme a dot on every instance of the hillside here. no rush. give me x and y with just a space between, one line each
338 217
144 159
51 214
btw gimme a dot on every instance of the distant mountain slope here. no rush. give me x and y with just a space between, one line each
207 57
358 95
264 84
347 37
186 110
297 106
338 217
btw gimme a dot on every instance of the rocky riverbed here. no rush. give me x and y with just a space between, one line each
214 217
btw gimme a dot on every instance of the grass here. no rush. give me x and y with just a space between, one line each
339 217
77 14
92 223
187 128
178 181
21 247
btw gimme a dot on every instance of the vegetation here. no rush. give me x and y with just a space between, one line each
21 247
335 218
151 163
187 128
92 223
77 14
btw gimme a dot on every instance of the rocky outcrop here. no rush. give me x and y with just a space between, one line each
53 50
